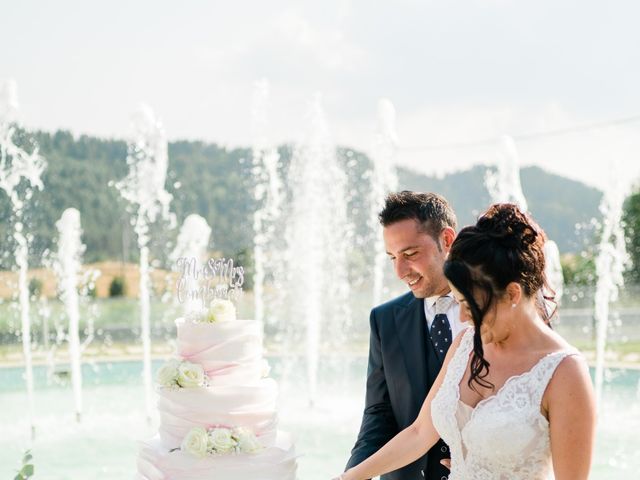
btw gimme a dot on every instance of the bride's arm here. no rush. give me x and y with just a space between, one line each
572 419
411 443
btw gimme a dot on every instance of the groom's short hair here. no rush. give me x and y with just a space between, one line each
432 211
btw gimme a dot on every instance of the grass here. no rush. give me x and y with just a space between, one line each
11 354
115 324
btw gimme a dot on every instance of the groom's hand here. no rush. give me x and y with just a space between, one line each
446 462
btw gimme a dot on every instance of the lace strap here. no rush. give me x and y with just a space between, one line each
458 364
544 370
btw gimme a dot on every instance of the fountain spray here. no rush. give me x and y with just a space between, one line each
504 184
143 189
267 194
20 173
384 179
192 243
318 241
611 261
67 266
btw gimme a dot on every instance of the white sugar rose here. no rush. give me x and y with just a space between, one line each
190 375
196 442
168 373
221 441
197 316
221 311
247 441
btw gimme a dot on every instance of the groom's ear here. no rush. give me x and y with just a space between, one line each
447 236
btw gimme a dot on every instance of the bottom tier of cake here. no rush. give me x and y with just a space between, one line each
277 462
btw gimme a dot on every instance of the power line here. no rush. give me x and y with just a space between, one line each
527 136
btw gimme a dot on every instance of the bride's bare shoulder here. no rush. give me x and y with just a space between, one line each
570 383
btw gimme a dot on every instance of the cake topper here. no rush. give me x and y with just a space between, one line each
204 282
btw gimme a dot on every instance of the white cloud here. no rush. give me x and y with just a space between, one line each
328 46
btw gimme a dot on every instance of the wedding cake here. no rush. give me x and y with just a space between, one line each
218 416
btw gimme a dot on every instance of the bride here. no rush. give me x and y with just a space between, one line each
513 399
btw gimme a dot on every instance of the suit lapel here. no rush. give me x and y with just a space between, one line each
410 326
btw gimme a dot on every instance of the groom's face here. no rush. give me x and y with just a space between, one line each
418 258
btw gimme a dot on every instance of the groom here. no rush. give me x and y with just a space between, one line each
409 334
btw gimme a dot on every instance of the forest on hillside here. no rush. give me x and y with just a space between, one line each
216 183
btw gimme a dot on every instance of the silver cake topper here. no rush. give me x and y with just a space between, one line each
204 282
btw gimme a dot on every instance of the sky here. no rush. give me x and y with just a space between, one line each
460 74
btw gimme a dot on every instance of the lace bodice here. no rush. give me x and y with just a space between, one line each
505 436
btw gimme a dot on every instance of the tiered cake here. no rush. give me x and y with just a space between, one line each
217 408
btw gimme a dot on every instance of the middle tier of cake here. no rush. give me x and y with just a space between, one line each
251 406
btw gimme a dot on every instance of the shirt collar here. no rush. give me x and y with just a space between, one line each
431 301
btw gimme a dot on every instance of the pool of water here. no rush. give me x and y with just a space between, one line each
104 445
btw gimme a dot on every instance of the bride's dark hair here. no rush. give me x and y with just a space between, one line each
504 246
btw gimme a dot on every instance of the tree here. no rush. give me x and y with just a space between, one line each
631 219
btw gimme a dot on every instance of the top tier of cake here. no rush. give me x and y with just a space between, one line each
230 352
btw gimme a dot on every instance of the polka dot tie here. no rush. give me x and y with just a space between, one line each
440 331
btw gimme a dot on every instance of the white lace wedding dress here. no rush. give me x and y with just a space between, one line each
505 437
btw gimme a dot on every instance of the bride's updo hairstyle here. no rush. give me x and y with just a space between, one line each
504 246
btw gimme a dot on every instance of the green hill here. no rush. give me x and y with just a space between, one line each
557 203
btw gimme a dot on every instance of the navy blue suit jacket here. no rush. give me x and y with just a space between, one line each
402 367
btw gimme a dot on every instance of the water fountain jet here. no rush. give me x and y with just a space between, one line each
611 261
384 179
192 242
504 183
20 174
268 196
67 266
318 239
144 190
